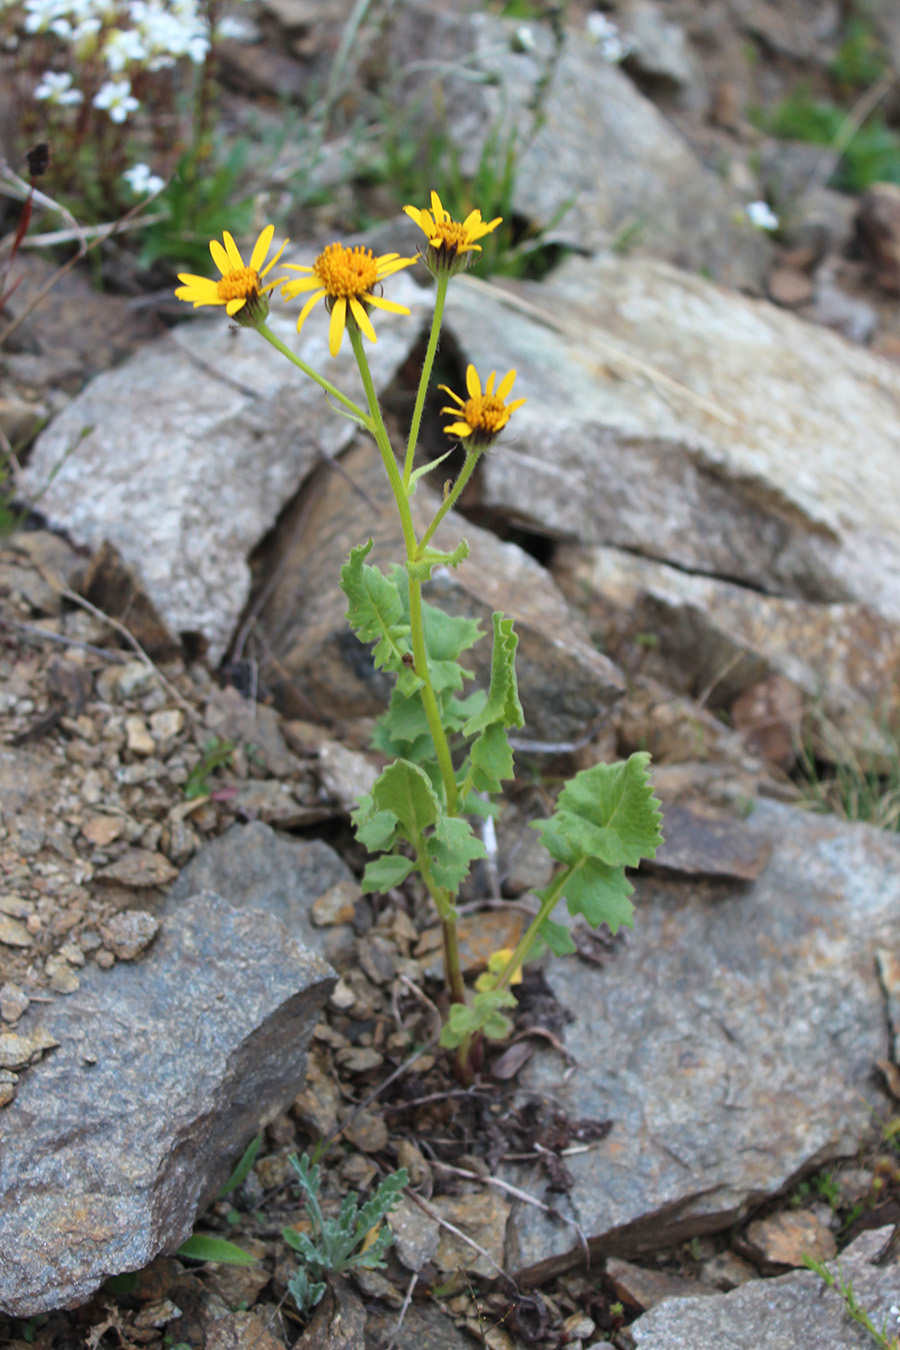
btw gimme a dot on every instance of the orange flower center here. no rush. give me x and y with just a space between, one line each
239 284
487 413
345 272
451 235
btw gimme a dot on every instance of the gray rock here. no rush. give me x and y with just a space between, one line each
595 159
256 869
213 430
780 1314
716 433
730 1041
165 1068
659 51
719 639
565 684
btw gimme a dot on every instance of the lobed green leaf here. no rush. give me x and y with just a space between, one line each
383 873
406 790
452 849
376 614
482 1015
607 813
502 703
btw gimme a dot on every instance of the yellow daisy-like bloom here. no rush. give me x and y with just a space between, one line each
450 241
483 415
239 288
345 278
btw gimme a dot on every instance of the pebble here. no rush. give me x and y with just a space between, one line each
138 867
72 953
166 724
138 738
17 1052
13 933
16 907
579 1326
127 934
368 1132
13 1002
378 958
336 905
8 1081
342 996
785 1238
102 830
63 979
359 1059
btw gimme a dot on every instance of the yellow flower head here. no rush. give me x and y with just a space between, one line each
482 416
497 963
239 287
450 241
345 278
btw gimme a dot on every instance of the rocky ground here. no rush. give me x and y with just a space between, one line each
680 1114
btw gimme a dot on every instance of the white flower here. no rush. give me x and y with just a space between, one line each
141 181
524 38
40 14
122 47
116 98
235 28
613 47
56 88
761 215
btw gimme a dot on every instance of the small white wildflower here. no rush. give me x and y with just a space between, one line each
761 215
895 1312
524 38
116 98
613 47
40 14
239 30
56 88
141 181
123 47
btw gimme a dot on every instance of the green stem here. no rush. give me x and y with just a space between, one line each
329 388
425 378
416 619
527 940
452 497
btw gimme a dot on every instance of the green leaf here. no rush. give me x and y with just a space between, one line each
427 468
502 704
242 1171
483 1014
608 813
376 614
375 829
406 790
420 568
452 848
491 759
600 893
204 1247
557 937
383 873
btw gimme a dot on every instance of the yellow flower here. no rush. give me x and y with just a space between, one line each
497 963
484 415
450 241
345 278
238 288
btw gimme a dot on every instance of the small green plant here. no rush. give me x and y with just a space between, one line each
449 749
860 59
216 752
854 785
357 1237
871 155
887 1338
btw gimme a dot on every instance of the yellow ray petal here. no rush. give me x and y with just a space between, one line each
219 257
261 248
461 429
292 288
473 384
268 267
311 302
489 387
506 384
362 318
336 326
231 248
437 209
234 305
380 303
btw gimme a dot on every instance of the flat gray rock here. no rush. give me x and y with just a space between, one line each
794 1310
165 1069
721 638
677 421
254 868
183 456
730 1040
565 684
594 159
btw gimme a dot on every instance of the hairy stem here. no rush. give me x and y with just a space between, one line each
452 497
329 388
529 937
425 378
416 620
